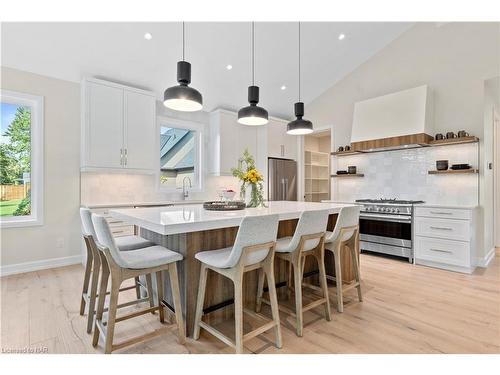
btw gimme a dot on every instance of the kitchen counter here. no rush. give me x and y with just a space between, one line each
455 206
189 229
193 217
142 204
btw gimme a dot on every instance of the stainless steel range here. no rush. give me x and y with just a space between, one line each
386 226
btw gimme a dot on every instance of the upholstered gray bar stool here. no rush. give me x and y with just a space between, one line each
345 235
93 267
124 265
308 239
253 249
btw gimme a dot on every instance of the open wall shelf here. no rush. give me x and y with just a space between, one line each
347 175
456 171
454 141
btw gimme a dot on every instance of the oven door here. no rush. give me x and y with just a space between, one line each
393 230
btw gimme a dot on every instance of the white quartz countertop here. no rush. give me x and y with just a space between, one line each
455 206
141 204
193 217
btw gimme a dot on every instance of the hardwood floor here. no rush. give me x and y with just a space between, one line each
406 309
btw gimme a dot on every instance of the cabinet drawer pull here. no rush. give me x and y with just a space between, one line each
441 213
441 228
116 231
441 251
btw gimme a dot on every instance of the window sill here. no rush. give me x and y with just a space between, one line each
21 222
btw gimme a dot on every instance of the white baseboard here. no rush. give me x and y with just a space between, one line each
485 261
13 269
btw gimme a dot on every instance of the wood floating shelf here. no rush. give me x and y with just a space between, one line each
454 141
345 153
348 175
456 171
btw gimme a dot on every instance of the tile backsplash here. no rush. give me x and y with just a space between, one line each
113 188
403 174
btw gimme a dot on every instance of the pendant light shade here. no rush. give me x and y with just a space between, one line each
253 115
182 97
299 126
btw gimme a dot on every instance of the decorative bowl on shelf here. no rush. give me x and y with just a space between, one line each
442 165
457 167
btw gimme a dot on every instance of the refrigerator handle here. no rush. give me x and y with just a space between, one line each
286 188
282 189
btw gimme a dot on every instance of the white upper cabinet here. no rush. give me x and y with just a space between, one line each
139 137
280 144
227 141
118 127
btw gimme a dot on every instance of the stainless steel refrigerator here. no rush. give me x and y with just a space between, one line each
282 180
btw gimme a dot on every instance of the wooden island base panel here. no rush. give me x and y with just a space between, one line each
219 294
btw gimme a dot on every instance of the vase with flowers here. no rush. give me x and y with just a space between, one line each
252 181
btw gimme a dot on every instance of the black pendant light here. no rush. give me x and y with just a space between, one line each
253 114
182 97
299 126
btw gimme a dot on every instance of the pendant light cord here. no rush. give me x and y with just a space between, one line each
183 41
253 53
299 61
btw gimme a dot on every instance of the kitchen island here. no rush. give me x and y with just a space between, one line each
189 229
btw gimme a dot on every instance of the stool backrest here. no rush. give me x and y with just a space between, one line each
348 217
105 238
87 225
310 222
253 230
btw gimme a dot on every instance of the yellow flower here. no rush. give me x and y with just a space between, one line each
253 179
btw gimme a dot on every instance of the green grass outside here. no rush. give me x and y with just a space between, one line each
7 208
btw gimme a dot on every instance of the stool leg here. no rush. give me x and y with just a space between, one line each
150 291
338 278
354 255
86 278
273 298
93 292
200 300
289 281
324 285
102 298
113 303
159 288
260 290
297 271
176 295
238 312
137 287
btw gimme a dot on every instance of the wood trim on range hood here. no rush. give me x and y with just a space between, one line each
392 143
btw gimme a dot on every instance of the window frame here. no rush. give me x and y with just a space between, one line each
36 103
199 169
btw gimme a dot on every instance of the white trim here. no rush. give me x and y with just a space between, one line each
486 260
37 158
38 265
200 162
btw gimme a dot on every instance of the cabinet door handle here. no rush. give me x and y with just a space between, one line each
282 147
441 213
442 251
125 156
121 156
441 228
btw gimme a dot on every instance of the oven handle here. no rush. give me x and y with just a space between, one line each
392 218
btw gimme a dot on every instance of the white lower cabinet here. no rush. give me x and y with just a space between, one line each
445 238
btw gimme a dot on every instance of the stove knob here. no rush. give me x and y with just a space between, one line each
396 210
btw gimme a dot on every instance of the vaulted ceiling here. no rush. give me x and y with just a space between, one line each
119 52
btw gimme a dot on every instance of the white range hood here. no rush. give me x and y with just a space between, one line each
398 120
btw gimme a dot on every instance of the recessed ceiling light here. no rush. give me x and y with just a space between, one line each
148 36
229 67
341 36
283 87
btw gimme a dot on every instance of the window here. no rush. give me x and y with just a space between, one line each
180 154
21 159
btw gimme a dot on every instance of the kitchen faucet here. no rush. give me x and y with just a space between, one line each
185 192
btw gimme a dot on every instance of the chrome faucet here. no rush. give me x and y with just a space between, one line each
185 192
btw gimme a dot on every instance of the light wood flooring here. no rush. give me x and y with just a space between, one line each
406 309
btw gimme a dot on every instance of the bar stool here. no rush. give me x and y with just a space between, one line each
124 265
253 249
345 234
93 267
308 239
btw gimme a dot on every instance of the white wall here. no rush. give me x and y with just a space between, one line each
62 177
454 60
